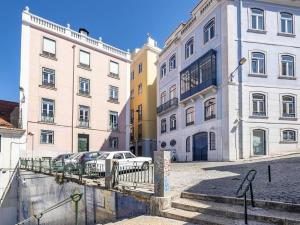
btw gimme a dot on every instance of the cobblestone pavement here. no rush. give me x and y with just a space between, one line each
223 178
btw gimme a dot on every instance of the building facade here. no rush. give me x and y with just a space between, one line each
12 141
143 80
228 87
74 90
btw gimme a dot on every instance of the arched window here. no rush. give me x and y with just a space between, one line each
209 30
172 62
258 104
189 48
173 122
287 65
188 144
190 116
257 19
289 136
212 141
210 109
163 126
286 23
258 63
163 70
288 106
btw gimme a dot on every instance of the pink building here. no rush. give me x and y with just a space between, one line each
74 90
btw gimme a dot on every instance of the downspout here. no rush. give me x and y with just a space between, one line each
73 92
240 80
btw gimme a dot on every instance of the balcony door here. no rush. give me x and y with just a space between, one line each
83 143
259 142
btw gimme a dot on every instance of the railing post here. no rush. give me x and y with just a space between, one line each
251 193
50 166
108 173
40 165
32 164
269 173
245 208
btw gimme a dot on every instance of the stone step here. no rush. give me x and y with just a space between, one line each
290 207
237 211
204 219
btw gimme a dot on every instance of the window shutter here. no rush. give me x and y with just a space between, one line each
114 67
84 58
49 46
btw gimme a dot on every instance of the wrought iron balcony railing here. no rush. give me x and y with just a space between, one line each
172 103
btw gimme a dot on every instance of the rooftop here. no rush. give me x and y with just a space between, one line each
6 109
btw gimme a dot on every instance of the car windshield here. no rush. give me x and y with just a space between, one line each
103 156
129 155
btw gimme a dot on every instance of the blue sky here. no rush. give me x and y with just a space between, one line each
122 23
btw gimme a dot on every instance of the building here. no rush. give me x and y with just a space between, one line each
11 141
74 90
143 99
228 87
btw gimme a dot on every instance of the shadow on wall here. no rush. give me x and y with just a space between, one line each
284 186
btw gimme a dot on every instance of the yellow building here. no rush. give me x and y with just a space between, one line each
143 80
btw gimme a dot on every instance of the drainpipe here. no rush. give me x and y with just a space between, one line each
73 92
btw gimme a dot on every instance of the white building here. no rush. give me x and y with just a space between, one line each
202 114
10 141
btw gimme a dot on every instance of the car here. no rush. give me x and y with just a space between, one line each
125 159
58 161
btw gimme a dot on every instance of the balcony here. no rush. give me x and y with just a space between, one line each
47 118
114 127
200 77
83 123
171 104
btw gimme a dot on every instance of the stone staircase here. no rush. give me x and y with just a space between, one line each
213 210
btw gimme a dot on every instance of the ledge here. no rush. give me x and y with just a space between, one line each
288 118
115 76
113 101
257 31
288 142
84 95
258 117
84 67
287 78
43 122
48 57
48 87
286 35
258 75
81 127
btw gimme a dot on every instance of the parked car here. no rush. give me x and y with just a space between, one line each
125 159
58 161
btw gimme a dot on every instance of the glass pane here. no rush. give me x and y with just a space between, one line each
254 22
259 142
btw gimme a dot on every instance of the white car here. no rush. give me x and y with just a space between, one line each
126 160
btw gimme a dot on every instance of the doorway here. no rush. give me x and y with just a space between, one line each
259 142
200 146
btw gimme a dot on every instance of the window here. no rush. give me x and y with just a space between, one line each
287 66
163 126
259 105
49 47
163 70
163 96
113 142
210 109
173 122
140 67
257 19
288 106
286 23
129 155
114 68
189 48
84 116
113 120
84 58
190 116
132 94
140 89
140 131
140 112
209 30
84 86
131 116
132 75
172 62
258 63
47 137
172 92
212 141
47 110
188 144
289 136
48 77
118 156
113 93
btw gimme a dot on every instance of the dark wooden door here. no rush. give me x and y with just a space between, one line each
200 146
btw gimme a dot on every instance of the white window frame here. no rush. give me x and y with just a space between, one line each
83 63
189 48
113 120
265 104
258 63
113 93
252 14
47 117
288 140
211 24
163 97
266 130
47 50
281 106
173 122
49 73
48 133
163 70
172 62
286 22
86 85
172 92
287 68
114 68
85 111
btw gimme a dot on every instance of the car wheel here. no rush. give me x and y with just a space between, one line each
145 166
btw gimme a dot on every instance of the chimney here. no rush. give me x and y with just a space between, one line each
84 31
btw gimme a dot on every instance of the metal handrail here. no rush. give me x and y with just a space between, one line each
242 192
9 183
